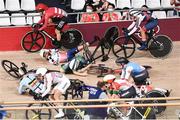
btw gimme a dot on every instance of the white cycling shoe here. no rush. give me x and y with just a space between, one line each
60 114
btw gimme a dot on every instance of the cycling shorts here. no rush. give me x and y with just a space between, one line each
150 25
71 53
129 93
60 22
63 86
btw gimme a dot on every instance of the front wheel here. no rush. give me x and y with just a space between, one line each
38 114
160 46
123 47
11 68
71 38
33 42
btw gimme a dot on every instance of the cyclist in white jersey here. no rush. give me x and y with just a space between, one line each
60 81
142 21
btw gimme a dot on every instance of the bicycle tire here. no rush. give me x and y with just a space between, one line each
38 112
93 70
11 68
33 42
160 47
71 39
156 93
123 48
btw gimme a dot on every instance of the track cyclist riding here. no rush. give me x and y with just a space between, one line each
142 21
52 15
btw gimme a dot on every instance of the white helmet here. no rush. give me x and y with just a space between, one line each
134 12
109 78
41 71
42 52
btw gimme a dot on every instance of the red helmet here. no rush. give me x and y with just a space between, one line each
41 7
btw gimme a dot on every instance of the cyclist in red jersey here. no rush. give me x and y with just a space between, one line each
52 15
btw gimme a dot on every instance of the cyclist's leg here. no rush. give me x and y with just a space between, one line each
71 53
58 90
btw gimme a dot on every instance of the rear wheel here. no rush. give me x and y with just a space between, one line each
160 47
33 42
71 38
11 68
155 94
123 47
38 114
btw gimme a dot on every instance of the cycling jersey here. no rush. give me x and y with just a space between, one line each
52 12
55 78
143 20
131 69
29 82
3 113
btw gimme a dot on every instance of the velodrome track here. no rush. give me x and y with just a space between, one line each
165 73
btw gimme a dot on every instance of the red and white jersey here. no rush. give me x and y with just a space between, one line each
121 85
177 5
52 12
52 78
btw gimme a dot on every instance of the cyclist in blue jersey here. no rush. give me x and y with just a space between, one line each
3 113
136 71
142 21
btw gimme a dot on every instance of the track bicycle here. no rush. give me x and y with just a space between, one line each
159 46
125 113
34 41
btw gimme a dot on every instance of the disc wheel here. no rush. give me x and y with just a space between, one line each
33 42
71 39
160 47
155 94
38 114
11 68
123 47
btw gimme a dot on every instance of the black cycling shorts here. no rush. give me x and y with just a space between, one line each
60 22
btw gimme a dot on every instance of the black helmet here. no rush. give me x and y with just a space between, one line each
122 60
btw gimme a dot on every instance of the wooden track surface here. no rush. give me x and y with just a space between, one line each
165 73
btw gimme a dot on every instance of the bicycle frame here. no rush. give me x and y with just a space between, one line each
49 36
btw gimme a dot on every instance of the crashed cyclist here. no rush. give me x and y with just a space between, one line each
55 56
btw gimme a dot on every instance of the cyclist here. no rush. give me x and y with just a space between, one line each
119 88
52 15
138 72
55 56
98 92
49 78
3 113
142 21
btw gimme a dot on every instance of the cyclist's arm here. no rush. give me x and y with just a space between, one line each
132 25
21 88
48 86
42 20
46 18
126 73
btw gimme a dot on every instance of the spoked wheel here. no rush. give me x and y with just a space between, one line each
38 114
71 38
123 47
33 42
160 47
155 94
11 68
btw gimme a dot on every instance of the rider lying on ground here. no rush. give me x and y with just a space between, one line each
60 81
55 56
52 15
78 66
143 21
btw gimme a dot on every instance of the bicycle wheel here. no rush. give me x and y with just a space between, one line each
38 113
11 68
71 38
93 70
160 47
33 42
155 94
123 47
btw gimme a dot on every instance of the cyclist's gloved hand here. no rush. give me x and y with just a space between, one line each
125 30
33 25
126 35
